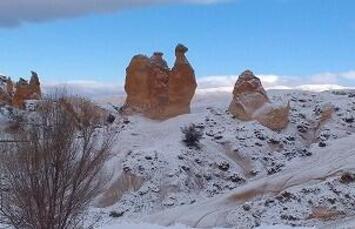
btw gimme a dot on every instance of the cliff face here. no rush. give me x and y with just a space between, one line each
156 91
22 91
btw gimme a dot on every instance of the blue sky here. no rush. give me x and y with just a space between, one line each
300 39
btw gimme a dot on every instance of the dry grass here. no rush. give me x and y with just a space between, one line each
325 214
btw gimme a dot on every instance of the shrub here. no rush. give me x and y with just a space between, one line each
53 169
347 178
115 214
192 136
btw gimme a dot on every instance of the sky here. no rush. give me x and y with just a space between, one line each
90 42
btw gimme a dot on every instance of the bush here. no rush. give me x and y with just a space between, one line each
52 170
115 214
192 136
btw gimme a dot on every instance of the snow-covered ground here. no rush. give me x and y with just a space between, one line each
243 176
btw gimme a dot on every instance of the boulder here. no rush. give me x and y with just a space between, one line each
250 102
273 116
156 91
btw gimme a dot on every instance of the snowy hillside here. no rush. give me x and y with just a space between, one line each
244 175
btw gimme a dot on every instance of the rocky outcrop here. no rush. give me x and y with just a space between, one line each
250 102
35 86
156 91
6 90
26 91
22 91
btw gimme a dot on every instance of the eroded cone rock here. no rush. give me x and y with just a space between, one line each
26 91
156 91
250 102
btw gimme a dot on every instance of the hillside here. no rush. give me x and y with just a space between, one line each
244 174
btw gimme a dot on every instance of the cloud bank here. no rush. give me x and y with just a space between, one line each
16 12
223 83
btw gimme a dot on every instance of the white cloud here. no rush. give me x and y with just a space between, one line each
315 82
91 89
222 83
15 12
229 81
320 87
217 81
324 77
349 75
331 77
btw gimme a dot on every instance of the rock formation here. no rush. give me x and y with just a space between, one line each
26 91
250 102
6 90
16 96
156 91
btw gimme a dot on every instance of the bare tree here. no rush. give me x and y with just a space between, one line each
53 169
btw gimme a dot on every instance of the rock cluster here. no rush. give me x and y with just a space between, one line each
250 102
6 90
17 94
156 91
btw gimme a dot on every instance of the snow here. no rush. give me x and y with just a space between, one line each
325 163
173 193
126 225
319 87
281 227
244 175
186 186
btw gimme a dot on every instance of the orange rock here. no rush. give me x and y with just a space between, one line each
249 96
156 91
35 86
182 84
26 91
250 102
273 116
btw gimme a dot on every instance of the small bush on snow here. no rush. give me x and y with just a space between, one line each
192 136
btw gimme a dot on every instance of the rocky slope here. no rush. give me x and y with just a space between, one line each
244 174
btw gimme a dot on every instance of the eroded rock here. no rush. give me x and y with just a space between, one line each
156 91
25 90
250 102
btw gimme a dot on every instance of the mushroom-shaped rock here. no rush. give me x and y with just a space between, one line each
250 102
181 85
35 86
156 91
